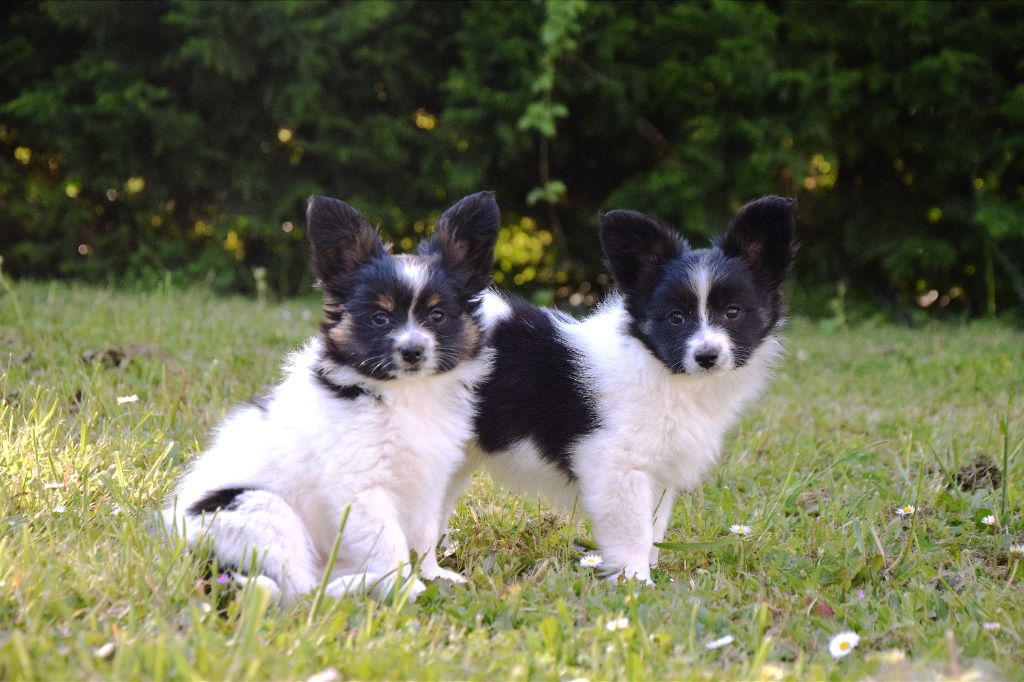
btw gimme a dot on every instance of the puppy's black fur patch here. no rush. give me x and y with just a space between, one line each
535 390
223 498
348 392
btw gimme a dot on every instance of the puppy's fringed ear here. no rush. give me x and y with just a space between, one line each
636 247
763 234
341 239
465 238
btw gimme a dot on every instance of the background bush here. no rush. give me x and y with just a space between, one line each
138 139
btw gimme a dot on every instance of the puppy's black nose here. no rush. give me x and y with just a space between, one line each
706 358
412 353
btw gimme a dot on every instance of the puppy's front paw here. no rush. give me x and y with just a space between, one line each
410 584
259 582
642 577
437 572
416 587
356 584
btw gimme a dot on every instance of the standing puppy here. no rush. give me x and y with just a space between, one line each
373 414
629 407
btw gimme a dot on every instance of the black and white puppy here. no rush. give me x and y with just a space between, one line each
373 414
624 410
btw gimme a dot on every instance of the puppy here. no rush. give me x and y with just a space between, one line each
371 419
626 409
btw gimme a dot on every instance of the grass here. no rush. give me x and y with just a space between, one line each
856 423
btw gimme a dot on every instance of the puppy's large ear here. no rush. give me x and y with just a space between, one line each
763 234
635 249
464 240
341 239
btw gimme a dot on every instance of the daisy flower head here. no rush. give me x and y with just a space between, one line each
724 640
843 643
591 561
989 520
740 529
991 626
906 510
121 400
617 624
105 651
1017 549
59 509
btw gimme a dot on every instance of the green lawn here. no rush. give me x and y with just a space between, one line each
857 423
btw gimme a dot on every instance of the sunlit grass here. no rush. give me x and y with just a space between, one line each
857 425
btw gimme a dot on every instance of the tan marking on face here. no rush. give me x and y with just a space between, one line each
333 307
433 301
472 332
341 333
386 302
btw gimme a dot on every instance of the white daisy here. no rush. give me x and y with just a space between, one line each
122 399
906 510
591 561
1017 549
989 520
617 624
52 486
105 651
843 643
328 675
59 509
740 529
724 640
991 626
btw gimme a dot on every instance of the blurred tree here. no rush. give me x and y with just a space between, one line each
140 138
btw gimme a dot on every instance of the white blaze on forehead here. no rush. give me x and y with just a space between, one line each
414 270
700 278
709 336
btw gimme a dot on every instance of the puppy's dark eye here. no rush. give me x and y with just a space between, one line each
732 312
379 318
675 317
437 315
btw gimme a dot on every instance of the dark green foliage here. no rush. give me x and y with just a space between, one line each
185 137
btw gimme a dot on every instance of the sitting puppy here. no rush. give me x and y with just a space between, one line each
372 417
629 407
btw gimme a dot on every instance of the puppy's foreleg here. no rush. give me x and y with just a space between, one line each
662 515
374 554
261 526
426 544
621 509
